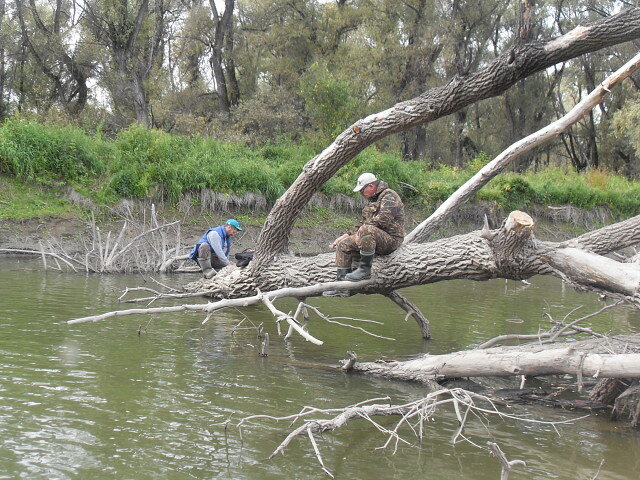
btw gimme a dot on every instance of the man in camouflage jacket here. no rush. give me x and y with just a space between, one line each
380 232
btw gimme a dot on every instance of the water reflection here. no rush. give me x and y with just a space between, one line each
102 401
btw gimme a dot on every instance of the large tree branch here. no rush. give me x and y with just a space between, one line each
508 252
518 63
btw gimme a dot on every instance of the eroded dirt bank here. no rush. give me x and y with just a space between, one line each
312 234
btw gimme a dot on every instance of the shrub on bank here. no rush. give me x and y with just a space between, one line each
44 153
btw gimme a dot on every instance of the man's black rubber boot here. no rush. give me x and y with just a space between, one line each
364 269
341 272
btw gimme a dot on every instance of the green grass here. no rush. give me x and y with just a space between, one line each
150 164
21 201
44 153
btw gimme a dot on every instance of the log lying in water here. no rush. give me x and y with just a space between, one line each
615 360
598 358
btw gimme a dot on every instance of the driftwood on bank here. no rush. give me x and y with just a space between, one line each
141 245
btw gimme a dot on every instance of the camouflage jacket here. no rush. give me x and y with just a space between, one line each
385 211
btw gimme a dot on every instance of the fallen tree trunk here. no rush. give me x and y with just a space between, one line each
510 361
510 252
617 357
613 360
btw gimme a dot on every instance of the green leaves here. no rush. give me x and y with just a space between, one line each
38 152
329 100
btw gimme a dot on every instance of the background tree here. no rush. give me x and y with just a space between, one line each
47 33
132 35
221 58
3 61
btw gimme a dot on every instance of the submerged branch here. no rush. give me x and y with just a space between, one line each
558 329
415 415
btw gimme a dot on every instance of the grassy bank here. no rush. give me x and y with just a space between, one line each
148 164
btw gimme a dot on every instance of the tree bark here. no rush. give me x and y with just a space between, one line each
223 40
511 252
601 358
591 144
519 62
607 390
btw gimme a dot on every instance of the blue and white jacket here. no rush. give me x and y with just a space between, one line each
218 241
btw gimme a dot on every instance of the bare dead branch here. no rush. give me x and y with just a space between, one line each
497 165
415 416
559 329
506 464
41 253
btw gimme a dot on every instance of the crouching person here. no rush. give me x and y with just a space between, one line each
380 232
212 250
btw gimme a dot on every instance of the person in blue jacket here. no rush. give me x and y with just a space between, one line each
212 250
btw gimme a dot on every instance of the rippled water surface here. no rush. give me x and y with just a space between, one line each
144 397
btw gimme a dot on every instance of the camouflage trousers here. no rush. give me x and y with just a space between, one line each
204 251
367 239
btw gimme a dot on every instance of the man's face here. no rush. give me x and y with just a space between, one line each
369 190
231 230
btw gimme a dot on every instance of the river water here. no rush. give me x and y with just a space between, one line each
146 397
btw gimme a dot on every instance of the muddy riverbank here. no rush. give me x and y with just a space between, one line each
312 233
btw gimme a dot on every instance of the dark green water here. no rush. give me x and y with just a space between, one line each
101 401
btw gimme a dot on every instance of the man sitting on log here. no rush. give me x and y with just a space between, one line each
381 231
212 250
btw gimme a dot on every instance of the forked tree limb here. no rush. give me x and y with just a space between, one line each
413 311
498 164
506 464
513 65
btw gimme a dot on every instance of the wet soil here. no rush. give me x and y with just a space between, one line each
309 235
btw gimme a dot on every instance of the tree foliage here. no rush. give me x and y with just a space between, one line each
257 71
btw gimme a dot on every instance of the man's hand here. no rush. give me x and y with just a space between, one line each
338 240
